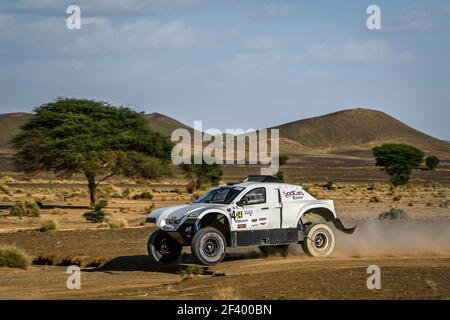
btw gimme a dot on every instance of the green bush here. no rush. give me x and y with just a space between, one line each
144 195
398 161
432 162
13 257
279 175
97 215
26 208
329 185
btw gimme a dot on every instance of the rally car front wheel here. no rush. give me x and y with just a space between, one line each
319 241
209 246
163 248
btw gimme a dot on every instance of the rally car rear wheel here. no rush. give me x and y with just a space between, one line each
319 241
209 246
281 250
163 248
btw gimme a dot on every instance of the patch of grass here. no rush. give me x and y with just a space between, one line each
13 257
190 272
26 208
5 189
116 223
49 224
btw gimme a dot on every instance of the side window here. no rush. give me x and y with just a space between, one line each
255 196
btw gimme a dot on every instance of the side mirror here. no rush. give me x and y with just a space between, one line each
242 202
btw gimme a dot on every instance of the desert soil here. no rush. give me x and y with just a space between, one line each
413 254
115 266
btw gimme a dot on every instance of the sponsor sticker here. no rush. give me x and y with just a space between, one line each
242 226
294 194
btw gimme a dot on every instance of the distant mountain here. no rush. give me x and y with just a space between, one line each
356 131
164 124
10 124
350 132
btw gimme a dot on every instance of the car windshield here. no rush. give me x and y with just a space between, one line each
222 195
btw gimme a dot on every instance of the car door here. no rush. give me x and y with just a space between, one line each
254 213
273 207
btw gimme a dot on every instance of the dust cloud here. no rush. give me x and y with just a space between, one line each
375 238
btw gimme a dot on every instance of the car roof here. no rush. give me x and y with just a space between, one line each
261 184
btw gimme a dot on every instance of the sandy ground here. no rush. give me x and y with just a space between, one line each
124 271
413 254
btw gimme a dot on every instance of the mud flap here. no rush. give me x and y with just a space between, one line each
338 224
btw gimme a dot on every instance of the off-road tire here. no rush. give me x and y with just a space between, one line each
163 248
277 250
209 246
319 241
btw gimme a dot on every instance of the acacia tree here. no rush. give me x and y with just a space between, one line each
77 136
200 175
398 161
432 162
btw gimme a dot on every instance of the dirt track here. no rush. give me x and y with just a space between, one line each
127 273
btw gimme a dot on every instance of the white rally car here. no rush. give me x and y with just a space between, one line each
259 211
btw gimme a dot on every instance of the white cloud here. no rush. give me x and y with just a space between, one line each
369 51
277 9
100 7
251 64
322 52
416 19
98 35
260 43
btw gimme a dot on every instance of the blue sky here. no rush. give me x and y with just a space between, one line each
232 64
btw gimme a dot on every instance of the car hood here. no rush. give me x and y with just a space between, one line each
178 212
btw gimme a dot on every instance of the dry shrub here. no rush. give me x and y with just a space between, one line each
394 214
26 208
191 272
376 199
5 189
116 223
49 224
13 257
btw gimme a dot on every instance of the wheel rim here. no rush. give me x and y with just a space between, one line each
321 241
211 246
164 247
